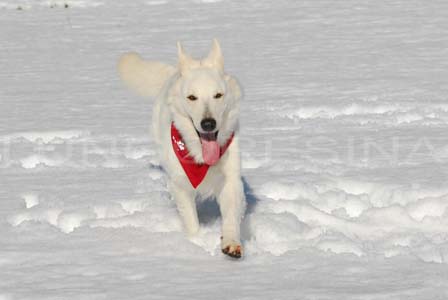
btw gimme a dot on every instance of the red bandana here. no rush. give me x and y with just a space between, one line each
194 171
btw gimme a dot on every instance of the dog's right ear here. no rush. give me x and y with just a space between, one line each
185 61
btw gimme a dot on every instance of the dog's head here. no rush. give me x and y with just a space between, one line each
205 94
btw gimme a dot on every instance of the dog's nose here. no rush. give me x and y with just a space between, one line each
208 124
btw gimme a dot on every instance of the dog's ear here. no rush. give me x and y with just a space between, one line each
234 87
215 58
185 61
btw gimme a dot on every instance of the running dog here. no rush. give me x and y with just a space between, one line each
195 125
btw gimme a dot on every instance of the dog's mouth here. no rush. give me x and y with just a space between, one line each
210 147
208 136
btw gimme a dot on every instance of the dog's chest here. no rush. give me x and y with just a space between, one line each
212 183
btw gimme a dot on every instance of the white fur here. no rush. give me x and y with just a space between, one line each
202 78
144 77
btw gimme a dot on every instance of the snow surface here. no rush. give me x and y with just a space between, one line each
344 145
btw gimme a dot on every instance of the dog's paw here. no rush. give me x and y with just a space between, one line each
231 248
195 148
198 158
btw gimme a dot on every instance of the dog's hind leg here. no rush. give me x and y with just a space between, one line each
186 205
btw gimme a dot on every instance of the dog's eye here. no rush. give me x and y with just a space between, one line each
218 95
192 97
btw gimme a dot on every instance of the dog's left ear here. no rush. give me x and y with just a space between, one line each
234 87
215 58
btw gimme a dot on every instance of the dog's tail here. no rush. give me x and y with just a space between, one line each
142 76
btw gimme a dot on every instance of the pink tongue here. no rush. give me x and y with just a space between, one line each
210 152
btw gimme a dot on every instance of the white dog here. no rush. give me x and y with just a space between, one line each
195 124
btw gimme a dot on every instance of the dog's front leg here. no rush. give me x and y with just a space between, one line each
231 203
186 205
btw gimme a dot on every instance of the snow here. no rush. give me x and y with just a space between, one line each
344 152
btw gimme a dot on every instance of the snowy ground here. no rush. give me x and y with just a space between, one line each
344 144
